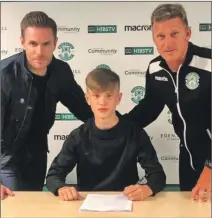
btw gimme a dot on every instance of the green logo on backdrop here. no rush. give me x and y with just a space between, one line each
137 93
103 66
102 29
205 27
139 50
66 51
65 116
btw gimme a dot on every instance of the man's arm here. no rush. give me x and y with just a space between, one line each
149 108
62 165
154 177
73 97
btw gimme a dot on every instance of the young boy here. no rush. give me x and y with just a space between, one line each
106 149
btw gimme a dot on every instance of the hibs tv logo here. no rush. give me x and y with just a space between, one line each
103 66
139 50
205 27
102 29
65 116
66 51
137 94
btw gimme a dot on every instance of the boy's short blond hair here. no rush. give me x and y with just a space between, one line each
101 80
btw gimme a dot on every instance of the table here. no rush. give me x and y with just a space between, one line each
45 204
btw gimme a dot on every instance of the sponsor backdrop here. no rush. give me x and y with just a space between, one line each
115 35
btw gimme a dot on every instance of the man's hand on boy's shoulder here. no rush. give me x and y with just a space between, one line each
137 192
69 194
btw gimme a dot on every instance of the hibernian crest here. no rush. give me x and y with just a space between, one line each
138 93
192 80
66 51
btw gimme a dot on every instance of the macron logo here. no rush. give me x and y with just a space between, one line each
161 78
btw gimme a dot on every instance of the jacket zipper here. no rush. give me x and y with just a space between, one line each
179 111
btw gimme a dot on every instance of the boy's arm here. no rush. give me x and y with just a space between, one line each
154 177
62 165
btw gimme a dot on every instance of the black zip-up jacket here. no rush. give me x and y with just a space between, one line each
107 159
18 97
188 99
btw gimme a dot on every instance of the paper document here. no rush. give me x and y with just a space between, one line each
97 202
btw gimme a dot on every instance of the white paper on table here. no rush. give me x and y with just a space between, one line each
100 202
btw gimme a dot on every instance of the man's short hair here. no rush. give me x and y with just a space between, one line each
168 11
38 19
101 80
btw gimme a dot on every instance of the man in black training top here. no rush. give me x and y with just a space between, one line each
180 78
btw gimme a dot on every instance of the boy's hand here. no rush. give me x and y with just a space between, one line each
5 192
69 194
137 192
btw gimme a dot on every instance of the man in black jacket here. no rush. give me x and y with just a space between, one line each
181 79
32 83
106 149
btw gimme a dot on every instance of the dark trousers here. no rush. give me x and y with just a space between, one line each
187 176
27 173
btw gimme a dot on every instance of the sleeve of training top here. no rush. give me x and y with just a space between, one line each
149 108
154 177
62 165
73 97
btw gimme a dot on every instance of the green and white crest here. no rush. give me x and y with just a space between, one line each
66 51
137 94
192 80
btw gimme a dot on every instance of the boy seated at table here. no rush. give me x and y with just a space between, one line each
106 149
